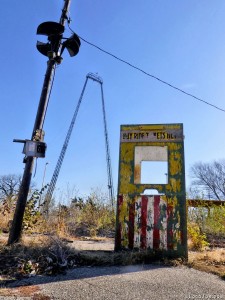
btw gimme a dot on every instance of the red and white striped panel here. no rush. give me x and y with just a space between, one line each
149 224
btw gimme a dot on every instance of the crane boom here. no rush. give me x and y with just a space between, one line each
55 175
108 159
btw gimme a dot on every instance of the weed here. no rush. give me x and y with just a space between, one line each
197 238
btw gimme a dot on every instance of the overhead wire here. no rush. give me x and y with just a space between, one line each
153 76
150 75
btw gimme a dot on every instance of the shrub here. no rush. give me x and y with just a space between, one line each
196 237
215 221
93 217
206 221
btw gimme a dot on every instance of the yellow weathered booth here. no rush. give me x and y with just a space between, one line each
154 222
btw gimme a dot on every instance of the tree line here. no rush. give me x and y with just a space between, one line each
208 182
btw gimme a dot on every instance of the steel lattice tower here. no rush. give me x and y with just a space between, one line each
55 175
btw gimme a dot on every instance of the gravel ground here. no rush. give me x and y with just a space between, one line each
140 282
131 282
89 244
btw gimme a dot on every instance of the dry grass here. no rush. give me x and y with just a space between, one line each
210 261
36 255
41 249
24 291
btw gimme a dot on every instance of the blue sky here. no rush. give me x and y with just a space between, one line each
181 42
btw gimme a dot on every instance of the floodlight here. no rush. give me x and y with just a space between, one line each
72 44
43 48
54 32
50 28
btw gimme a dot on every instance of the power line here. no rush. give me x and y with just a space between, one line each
150 75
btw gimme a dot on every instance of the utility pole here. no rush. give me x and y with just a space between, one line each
53 50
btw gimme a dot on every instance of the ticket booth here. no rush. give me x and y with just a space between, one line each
151 214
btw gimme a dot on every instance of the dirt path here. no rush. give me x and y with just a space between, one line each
90 244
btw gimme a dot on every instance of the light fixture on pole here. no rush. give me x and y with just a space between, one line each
53 50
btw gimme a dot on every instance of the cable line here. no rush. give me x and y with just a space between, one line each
150 75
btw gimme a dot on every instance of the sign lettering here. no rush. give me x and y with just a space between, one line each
174 135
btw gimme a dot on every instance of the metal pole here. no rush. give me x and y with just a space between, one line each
108 159
16 228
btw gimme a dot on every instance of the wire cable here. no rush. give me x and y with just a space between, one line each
49 95
148 74
35 167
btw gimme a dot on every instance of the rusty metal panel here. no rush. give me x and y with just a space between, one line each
154 222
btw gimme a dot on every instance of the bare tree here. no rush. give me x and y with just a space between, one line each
209 179
9 186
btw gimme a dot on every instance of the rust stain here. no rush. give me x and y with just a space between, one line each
137 173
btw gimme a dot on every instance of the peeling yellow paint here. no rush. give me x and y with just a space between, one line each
174 146
151 127
171 201
175 166
174 186
130 188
